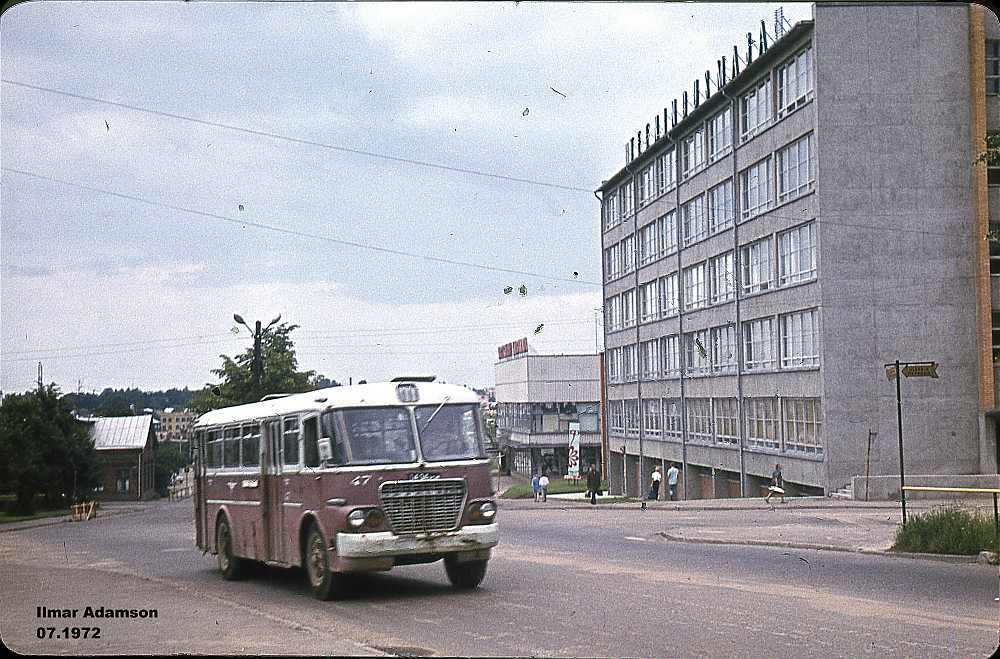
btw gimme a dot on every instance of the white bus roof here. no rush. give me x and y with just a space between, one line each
377 394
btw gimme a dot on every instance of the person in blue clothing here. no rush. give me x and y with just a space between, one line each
535 486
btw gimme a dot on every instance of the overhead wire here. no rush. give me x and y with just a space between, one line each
293 232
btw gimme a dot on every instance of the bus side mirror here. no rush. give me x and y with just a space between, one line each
325 452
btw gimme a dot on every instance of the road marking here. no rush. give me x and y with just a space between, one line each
176 549
630 537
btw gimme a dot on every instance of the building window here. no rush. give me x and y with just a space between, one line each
723 279
800 339
696 354
627 201
628 308
755 266
695 222
726 421
992 162
648 302
996 336
616 416
757 191
803 421
699 413
630 363
797 254
693 152
755 108
762 421
721 211
665 171
720 134
672 418
615 365
670 348
695 287
994 241
723 349
669 299
651 359
668 233
122 482
614 307
758 345
796 168
613 262
992 66
646 190
632 417
648 248
611 215
628 253
651 416
795 82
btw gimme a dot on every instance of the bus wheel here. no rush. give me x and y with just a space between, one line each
325 585
232 567
464 576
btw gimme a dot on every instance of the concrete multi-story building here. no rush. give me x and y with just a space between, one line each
811 214
540 398
175 425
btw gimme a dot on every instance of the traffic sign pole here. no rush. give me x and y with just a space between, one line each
899 425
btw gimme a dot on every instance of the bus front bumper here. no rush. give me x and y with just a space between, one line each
470 542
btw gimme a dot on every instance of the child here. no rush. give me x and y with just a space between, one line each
534 486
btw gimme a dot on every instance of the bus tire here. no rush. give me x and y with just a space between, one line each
324 583
466 575
232 567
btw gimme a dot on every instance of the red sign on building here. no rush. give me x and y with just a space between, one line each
513 349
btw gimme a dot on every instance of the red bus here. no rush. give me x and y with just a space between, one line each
347 479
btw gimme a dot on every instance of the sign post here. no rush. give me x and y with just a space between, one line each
910 370
573 460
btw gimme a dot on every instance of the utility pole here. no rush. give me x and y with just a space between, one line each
257 365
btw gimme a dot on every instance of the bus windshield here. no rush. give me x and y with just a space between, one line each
448 432
370 435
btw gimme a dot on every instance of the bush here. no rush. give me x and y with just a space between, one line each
947 531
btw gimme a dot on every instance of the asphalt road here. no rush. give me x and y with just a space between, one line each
577 583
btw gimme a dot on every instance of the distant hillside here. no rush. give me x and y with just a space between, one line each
116 402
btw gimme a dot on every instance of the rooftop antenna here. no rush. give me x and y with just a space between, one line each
749 47
779 23
638 140
685 103
736 61
697 93
647 136
657 127
673 121
763 38
721 71
708 80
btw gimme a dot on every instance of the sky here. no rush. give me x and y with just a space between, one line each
412 184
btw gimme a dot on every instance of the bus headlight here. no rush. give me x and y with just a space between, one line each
482 512
370 517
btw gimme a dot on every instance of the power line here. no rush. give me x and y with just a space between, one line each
295 140
292 232
123 343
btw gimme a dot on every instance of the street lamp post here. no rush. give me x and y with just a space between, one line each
257 367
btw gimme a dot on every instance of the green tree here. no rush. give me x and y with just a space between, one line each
44 449
280 373
170 459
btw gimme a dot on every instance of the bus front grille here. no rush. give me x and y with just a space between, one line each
423 505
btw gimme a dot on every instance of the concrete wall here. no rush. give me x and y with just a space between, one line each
548 379
893 98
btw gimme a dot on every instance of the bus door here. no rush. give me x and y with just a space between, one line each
271 502
199 489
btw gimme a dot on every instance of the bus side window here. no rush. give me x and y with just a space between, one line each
310 450
213 452
337 444
291 441
251 445
231 447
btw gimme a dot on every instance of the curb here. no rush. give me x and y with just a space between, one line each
944 558
53 521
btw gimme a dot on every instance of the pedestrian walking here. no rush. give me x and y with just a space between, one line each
672 474
654 486
534 486
777 485
593 485
543 485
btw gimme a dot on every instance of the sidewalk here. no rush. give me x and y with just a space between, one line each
105 510
822 523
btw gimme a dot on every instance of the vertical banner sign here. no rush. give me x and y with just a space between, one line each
574 449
